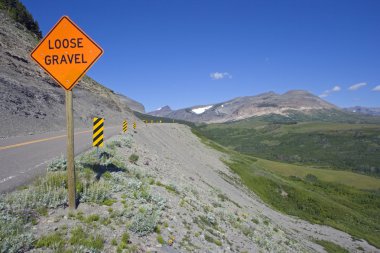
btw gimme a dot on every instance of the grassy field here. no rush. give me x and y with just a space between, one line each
331 176
343 146
331 247
316 195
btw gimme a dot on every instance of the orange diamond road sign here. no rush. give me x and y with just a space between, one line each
66 53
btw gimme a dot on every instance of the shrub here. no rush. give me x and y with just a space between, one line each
125 237
311 178
134 184
109 202
223 197
160 240
81 238
254 220
157 229
171 187
213 240
159 202
107 175
15 235
118 163
88 176
60 164
96 192
113 144
49 191
55 240
144 223
57 164
91 218
126 142
118 181
133 158
151 181
211 218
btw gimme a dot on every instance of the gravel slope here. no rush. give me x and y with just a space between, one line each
176 155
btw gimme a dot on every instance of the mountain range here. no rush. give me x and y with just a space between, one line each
294 101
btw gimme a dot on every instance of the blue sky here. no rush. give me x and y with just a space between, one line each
183 53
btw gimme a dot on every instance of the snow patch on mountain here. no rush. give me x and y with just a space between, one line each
201 110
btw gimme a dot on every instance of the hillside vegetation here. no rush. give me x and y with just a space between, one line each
20 14
331 145
314 196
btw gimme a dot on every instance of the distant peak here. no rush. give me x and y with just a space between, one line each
164 108
297 92
267 93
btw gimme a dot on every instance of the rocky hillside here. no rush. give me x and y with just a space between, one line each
30 101
246 107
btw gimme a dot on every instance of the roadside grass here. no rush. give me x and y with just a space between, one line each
344 207
101 177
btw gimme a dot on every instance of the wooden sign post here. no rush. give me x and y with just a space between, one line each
66 53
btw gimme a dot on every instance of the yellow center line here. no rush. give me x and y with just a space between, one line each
42 140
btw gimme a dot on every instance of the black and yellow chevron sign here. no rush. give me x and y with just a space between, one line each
97 134
125 126
134 125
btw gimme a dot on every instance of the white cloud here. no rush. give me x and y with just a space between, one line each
377 88
336 88
357 86
326 93
219 75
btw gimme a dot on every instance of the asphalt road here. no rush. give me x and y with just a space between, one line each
25 157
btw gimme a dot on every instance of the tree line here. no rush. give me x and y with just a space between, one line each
19 13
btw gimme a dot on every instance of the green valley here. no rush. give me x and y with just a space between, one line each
342 199
330 145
